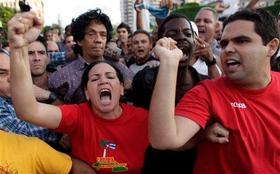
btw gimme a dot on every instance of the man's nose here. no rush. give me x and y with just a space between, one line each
36 57
98 38
8 78
229 47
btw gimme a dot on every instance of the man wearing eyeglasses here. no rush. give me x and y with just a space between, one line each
57 57
91 31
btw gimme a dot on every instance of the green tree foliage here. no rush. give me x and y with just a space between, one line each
274 9
189 9
6 14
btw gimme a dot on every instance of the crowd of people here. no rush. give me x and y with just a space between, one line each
193 97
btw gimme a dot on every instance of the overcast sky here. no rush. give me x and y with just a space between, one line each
67 9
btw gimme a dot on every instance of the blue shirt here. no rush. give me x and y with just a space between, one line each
10 123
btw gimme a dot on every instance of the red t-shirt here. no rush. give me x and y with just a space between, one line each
123 140
251 116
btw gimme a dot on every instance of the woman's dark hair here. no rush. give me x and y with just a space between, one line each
89 67
161 28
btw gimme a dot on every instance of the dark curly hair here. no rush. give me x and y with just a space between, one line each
79 25
161 28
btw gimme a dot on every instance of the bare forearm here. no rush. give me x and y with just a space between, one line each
139 20
162 127
251 4
21 83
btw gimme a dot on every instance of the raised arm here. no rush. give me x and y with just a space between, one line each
165 130
24 28
139 16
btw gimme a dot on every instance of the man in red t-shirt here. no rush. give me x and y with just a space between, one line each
245 101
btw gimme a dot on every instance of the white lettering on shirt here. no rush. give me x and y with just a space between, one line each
238 105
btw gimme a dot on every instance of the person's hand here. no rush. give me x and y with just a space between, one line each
203 50
166 3
40 93
136 3
65 141
217 133
24 28
220 7
166 49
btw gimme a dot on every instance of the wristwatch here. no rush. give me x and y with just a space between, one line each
51 99
212 62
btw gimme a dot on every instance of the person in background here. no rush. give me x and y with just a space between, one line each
275 62
57 58
123 31
245 100
206 55
8 119
179 28
21 154
91 31
67 30
142 46
48 35
69 43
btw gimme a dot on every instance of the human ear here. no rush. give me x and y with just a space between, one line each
273 45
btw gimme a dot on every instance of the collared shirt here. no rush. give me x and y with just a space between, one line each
10 123
66 82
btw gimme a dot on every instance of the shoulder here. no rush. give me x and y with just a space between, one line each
145 78
74 107
275 74
211 86
53 161
73 66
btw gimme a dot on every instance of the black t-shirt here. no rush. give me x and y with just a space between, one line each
163 161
